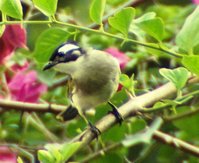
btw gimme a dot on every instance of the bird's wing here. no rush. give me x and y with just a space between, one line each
71 88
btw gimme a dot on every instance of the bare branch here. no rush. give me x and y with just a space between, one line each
131 108
176 143
158 136
182 115
28 107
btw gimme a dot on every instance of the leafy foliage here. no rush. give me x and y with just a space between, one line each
153 27
187 38
11 8
177 76
58 153
122 20
97 10
144 137
48 7
191 62
48 41
159 44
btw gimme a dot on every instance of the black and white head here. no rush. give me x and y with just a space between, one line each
66 52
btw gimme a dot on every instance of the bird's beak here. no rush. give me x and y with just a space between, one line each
49 65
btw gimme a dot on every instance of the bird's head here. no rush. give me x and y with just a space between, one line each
66 52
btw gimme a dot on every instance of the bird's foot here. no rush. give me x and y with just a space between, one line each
94 130
115 112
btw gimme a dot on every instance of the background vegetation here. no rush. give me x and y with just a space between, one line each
157 46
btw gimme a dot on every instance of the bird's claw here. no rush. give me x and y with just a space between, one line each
94 130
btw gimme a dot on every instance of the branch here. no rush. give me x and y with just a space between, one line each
132 107
176 143
29 107
58 83
158 136
96 31
35 121
182 115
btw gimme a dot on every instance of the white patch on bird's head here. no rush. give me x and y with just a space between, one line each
67 47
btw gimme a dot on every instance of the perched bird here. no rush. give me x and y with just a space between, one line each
94 77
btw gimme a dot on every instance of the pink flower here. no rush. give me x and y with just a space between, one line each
13 37
121 57
7 156
195 1
24 87
16 67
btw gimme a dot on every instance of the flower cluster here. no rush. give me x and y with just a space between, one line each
22 84
7 156
13 37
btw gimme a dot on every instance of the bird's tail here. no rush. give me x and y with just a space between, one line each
70 113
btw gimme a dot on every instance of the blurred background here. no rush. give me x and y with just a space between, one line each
22 79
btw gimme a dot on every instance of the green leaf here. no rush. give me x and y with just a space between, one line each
54 150
121 21
11 8
143 137
97 10
58 153
2 28
145 17
45 157
153 27
47 42
128 83
191 63
111 136
137 125
177 76
188 37
125 81
19 160
48 7
68 149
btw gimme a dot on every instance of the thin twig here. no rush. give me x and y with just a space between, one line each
182 115
96 31
35 121
61 82
29 107
126 110
158 136
176 143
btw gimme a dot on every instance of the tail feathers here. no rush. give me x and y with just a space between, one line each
70 113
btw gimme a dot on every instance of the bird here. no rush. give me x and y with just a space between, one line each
93 78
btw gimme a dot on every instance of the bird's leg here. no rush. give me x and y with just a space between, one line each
115 112
94 129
